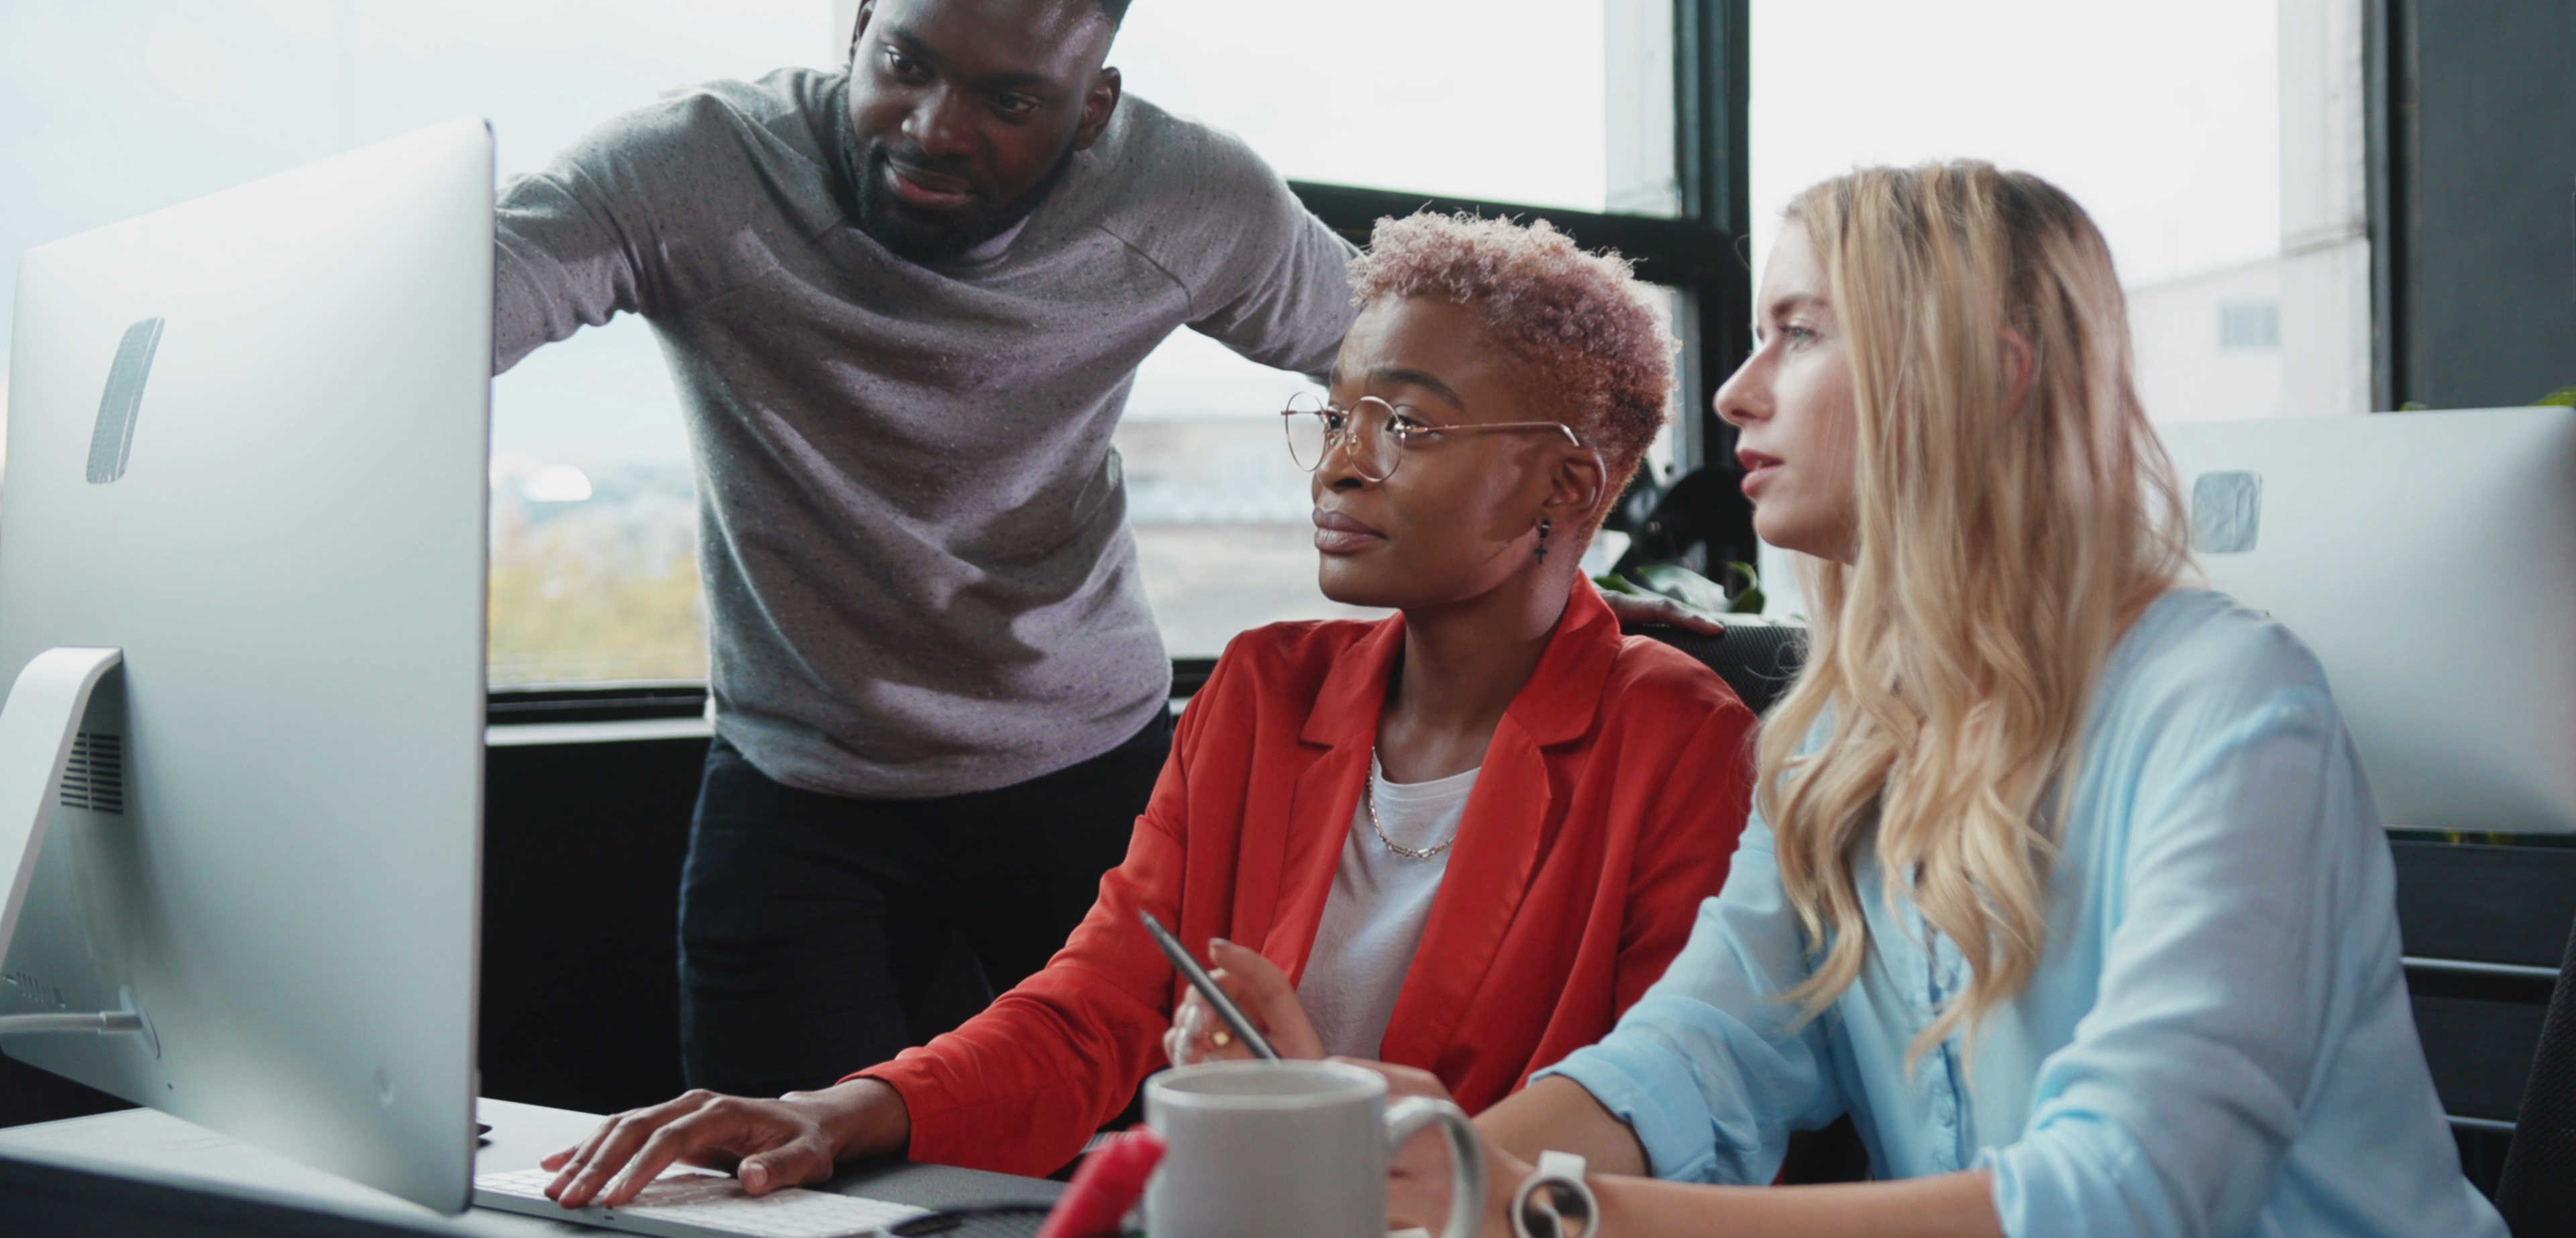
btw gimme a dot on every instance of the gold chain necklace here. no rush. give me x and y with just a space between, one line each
1368 799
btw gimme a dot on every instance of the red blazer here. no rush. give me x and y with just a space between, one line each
1608 805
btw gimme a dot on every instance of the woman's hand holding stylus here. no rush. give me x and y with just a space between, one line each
1262 991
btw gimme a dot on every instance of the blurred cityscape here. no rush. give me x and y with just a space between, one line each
595 578
597 582
1222 532
594 568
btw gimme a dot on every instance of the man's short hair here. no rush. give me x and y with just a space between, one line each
1116 10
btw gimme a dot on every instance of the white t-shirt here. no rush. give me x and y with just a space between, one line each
1373 919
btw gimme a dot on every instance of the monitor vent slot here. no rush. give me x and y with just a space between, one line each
113 438
95 776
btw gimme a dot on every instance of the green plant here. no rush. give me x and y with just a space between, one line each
1690 588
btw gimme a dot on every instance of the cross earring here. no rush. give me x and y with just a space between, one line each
1543 528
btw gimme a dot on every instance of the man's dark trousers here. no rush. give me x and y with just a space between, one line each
812 925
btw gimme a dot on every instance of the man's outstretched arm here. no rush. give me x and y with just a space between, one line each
560 262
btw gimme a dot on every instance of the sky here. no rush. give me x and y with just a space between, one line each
1399 94
2160 118
110 108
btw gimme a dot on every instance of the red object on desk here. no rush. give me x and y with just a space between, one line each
1109 1183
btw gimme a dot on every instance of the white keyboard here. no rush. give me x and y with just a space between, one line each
688 1204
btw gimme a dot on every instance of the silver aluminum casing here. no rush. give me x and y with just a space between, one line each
293 562
2429 559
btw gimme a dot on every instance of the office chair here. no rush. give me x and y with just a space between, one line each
1701 518
1758 659
2538 1195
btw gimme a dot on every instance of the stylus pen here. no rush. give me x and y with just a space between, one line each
1214 996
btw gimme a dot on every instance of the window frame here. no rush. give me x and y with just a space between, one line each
1699 253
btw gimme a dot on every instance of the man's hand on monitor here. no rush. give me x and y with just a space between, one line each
1632 609
791 1141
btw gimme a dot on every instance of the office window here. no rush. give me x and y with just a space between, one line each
594 503
594 517
111 111
108 111
2218 143
1545 102
1533 103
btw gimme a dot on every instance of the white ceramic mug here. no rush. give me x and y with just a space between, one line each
1292 1150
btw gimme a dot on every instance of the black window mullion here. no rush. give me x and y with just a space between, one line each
1712 100
1701 254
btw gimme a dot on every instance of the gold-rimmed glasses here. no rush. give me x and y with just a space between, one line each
1376 432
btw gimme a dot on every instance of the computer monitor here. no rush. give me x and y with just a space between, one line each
247 452
2429 559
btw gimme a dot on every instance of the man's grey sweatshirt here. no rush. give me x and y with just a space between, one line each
912 528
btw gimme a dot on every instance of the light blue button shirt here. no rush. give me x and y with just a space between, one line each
2217 1039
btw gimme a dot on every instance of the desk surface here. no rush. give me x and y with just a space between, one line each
144 1171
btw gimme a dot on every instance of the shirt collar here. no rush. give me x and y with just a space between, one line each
1555 706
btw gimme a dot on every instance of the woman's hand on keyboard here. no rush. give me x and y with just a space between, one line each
791 1141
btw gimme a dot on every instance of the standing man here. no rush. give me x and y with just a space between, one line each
904 304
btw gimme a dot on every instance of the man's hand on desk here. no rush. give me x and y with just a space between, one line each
792 1141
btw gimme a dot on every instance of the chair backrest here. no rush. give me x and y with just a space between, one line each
1760 661
2538 1194
1757 658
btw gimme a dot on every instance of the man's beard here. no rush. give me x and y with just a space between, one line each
933 237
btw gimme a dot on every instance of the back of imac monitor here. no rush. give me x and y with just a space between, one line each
247 445
2429 559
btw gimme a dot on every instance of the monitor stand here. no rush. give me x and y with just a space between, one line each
37 726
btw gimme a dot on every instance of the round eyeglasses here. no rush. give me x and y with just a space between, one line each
1375 433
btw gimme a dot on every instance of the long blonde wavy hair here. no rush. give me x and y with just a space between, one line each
2005 537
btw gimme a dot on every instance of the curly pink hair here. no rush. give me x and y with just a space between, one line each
1580 321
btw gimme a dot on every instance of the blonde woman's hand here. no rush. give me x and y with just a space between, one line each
1261 991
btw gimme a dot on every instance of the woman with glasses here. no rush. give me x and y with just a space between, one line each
2065 883
1465 837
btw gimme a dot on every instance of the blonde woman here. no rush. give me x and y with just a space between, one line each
2065 883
